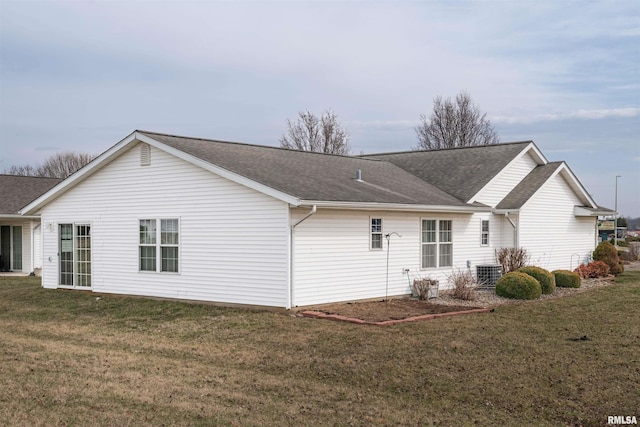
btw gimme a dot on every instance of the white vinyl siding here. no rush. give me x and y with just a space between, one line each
233 241
505 181
333 261
549 230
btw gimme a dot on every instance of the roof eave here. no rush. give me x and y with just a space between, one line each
584 211
18 216
402 207
78 176
530 147
133 138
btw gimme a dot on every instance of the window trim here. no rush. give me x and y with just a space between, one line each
437 243
158 245
372 233
484 233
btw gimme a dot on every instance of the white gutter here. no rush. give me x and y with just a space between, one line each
18 216
290 295
396 206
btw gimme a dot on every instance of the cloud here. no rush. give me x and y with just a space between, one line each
595 114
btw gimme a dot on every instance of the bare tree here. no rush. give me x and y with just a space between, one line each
455 124
25 170
310 133
59 165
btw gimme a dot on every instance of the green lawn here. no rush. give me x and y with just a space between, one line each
70 358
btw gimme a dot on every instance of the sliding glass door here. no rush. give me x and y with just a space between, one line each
74 241
11 248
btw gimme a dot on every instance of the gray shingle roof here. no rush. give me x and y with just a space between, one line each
461 172
531 183
18 191
314 176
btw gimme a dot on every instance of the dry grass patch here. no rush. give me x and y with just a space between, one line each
69 359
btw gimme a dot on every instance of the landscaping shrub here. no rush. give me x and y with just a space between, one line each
463 285
608 254
592 270
518 285
511 259
567 279
546 279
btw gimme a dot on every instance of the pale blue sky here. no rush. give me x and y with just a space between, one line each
82 75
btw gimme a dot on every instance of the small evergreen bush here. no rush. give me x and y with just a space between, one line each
518 285
567 279
608 254
546 279
592 270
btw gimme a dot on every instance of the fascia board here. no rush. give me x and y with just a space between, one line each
394 207
225 173
538 157
581 211
572 181
16 216
577 186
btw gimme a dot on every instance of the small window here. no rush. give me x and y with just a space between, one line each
159 237
376 233
484 236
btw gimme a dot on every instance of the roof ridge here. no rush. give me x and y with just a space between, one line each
29 176
246 144
449 148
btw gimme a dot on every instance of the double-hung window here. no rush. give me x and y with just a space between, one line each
376 233
437 243
159 245
484 233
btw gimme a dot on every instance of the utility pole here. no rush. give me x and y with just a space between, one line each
615 227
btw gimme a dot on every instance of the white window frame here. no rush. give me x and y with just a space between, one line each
436 241
158 244
373 233
485 234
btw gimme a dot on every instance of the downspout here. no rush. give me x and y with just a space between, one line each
515 229
292 255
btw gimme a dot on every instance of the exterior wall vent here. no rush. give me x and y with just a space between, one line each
145 155
488 275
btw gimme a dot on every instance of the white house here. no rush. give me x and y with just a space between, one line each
19 234
178 217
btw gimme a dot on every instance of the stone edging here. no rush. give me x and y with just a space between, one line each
337 317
